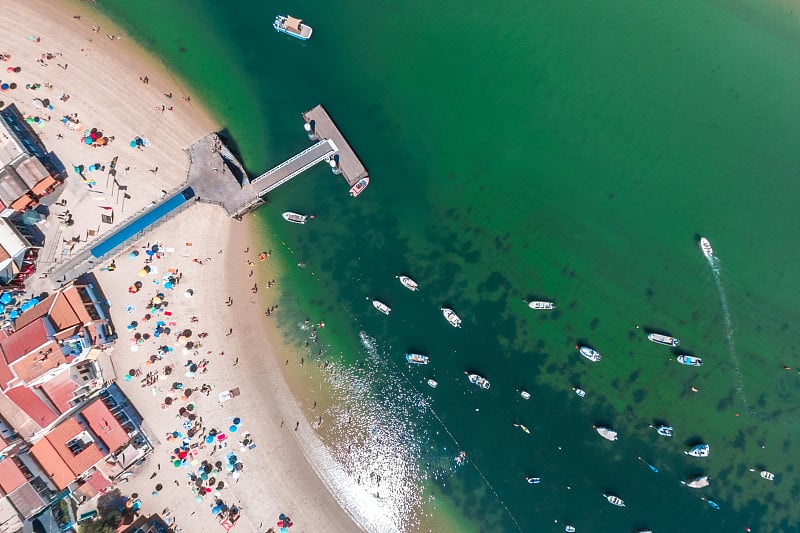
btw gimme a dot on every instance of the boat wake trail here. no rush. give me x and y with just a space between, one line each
713 262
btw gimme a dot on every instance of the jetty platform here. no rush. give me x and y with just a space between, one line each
216 176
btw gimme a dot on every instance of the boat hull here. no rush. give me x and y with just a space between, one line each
701 450
381 307
663 339
408 283
295 218
451 317
705 247
590 354
479 381
280 26
541 306
689 360
417 359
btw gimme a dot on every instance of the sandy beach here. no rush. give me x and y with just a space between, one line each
66 49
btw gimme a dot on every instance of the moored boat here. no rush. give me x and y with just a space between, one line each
296 218
689 360
292 26
705 247
606 433
614 500
700 450
533 480
665 431
382 307
569 529
478 380
359 187
590 353
769 476
525 395
541 305
663 339
417 359
432 383
451 317
523 428
698 483
579 392
408 283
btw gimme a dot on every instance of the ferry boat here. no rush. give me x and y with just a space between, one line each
590 354
292 26
297 218
608 434
382 307
665 431
663 339
614 500
451 317
408 283
541 305
705 247
417 359
698 483
769 476
478 380
432 383
700 450
359 187
689 360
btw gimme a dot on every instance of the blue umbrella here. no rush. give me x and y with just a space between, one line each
233 429
5 299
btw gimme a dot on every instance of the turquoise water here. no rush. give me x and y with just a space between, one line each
573 152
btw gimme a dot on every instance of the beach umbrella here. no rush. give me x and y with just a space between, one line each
221 437
6 298
209 439
37 103
237 420
134 253
88 140
233 429
176 463
168 400
133 143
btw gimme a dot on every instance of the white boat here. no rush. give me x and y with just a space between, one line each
525 395
579 392
382 307
665 431
769 476
608 434
533 480
705 247
689 360
292 26
698 483
701 450
569 529
614 500
408 283
432 383
297 218
451 317
359 187
540 305
417 359
663 339
478 380
590 354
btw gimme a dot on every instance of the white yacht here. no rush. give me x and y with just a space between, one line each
382 307
451 317
705 247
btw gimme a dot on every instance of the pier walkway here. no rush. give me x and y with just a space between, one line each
294 166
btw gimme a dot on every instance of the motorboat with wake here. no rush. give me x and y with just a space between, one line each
382 307
769 476
523 428
700 450
540 305
658 338
366 341
293 27
651 467
478 380
665 431
417 359
296 218
606 433
713 504
451 317
589 353
689 360
705 247
698 483
359 187
614 500
408 283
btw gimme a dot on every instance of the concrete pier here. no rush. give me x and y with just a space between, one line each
322 127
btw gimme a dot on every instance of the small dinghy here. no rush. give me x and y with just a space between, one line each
590 353
580 392
614 500
533 480
698 483
606 433
408 283
525 395
701 450
665 431
769 476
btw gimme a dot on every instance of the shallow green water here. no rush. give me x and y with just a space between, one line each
570 152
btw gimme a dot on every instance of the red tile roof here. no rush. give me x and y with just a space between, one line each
58 460
38 362
5 374
52 464
32 405
24 340
105 425
60 390
98 481
11 477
